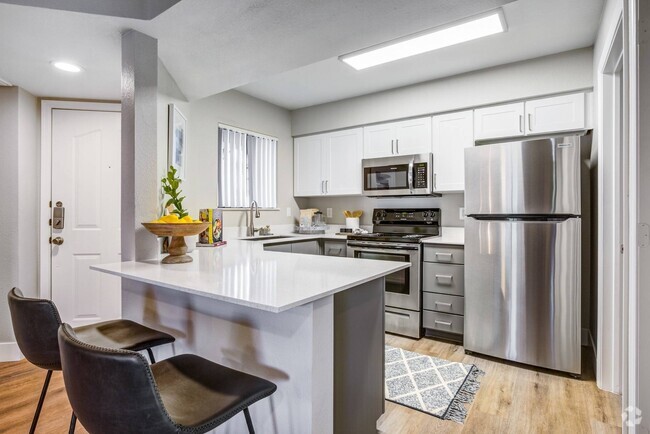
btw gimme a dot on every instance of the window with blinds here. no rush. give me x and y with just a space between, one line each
247 169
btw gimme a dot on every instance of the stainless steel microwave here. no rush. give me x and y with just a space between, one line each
404 175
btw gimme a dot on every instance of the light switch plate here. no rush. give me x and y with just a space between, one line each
461 213
329 213
288 211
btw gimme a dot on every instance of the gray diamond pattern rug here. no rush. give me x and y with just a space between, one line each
429 384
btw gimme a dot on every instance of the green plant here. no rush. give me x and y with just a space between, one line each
171 186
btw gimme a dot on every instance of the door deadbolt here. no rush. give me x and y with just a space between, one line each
57 241
58 216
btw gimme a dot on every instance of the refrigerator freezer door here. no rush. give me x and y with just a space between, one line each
532 177
522 291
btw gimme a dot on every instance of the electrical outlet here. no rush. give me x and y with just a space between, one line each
288 211
329 213
461 213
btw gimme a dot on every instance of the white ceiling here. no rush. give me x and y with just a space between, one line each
211 46
535 28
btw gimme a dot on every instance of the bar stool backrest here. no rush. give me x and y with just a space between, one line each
36 322
111 391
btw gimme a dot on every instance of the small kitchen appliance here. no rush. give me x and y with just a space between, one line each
403 175
396 236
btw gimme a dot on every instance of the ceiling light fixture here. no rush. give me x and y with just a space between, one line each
67 67
455 33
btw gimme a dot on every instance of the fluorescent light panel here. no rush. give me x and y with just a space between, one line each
456 33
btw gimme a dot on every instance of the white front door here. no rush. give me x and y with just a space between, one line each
86 183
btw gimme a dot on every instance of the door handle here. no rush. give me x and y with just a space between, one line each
530 122
322 187
397 146
392 147
521 123
57 241
327 186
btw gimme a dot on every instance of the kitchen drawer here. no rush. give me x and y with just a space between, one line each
334 248
311 247
443 278
446 254
443 303
443 322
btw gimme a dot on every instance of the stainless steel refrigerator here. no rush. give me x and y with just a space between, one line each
523 251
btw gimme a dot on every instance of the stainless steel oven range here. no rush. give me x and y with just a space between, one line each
396 236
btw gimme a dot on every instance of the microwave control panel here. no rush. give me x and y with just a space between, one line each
420 175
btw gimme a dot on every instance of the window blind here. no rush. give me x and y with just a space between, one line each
247 169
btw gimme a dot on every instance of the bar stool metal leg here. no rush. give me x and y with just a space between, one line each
151 356
249 422
40 401
73 423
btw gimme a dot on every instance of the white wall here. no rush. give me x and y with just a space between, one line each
19 177
243 111
558 73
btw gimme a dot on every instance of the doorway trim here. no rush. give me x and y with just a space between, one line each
45 194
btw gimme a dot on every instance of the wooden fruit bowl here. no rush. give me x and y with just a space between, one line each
178 232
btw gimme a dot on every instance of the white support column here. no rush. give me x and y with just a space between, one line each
139 150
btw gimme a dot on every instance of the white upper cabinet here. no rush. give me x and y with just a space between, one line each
452 133
379 141
328 164
342 154
412 136
539 116
555 114
494 122
307 177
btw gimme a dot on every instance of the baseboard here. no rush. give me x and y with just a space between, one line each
9 352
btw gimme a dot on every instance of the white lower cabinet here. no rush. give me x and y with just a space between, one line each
328 164
452 133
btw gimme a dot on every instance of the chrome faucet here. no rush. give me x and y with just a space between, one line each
250 230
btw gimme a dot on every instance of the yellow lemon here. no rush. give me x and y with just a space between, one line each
187 219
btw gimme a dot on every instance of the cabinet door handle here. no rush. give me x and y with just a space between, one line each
442 303
444 323
530 122
445 279
327 187
447 256
392 147
322 187
521 123
397 146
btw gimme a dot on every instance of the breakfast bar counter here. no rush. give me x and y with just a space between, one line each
313 325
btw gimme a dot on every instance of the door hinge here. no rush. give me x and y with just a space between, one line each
643 235
50 205
50 222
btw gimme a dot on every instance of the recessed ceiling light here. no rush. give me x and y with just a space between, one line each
461 31
67 67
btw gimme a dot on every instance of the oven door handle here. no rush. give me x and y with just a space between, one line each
410 176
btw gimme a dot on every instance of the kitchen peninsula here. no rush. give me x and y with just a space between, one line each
313 325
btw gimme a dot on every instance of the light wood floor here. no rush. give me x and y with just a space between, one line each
512 399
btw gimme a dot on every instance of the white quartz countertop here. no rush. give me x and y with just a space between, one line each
243 273
448 235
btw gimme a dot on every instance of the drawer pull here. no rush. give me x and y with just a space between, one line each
444 277
445 255
398 314
444 323
442 303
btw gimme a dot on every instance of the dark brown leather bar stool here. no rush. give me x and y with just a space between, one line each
116 391
36 322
